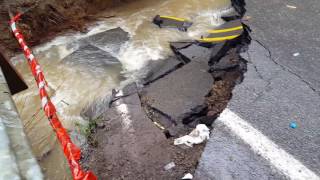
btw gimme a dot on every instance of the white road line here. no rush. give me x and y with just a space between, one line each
124 113
263 146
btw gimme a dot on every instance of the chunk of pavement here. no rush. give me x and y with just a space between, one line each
194 52
218 51
181 44
132 137
161 68
110 40
231 16
180 91
93 59
194 113
226 63
172 22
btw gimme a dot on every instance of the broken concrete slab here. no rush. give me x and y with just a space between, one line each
176 93
195 53
110 40
93 59
129 143
226 63
161 68
188 51
172 22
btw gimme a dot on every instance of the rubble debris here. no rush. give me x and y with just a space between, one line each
293 125
197 136
187 177
169 166
172 22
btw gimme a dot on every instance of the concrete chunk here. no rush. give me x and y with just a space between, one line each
181 90
110 40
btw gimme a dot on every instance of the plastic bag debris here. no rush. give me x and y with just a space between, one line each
197 136
187 177
296 54
169 166
292 7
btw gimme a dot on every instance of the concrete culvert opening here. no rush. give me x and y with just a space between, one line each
162 92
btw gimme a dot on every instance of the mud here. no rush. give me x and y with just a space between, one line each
45 19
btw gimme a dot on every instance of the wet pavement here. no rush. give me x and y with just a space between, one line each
279 88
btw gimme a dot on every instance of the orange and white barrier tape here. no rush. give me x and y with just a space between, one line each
71 151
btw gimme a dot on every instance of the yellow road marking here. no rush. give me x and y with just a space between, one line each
217 39
225 30
173 18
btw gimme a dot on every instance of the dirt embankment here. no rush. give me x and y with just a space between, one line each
46 18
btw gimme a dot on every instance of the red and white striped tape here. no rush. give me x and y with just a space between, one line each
71 151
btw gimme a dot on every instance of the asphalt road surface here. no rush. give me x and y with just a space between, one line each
252 139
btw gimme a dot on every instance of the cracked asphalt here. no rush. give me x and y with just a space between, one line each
279 88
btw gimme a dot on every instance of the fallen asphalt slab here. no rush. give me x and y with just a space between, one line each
252 138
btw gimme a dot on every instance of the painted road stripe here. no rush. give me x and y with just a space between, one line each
225 30
262 145
219 39
173 18
123 111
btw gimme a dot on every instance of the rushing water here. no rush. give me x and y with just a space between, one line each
74 87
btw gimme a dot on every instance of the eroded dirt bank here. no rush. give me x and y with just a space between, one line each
44 19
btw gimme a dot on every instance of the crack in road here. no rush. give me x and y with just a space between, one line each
286 68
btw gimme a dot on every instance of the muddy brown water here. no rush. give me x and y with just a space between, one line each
74 87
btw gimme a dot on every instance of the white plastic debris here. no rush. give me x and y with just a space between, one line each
296 54
197 136
292 7
187 176
169 166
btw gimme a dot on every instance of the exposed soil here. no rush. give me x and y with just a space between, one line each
45 19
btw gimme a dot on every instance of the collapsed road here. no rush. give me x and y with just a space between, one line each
145 117
131 133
